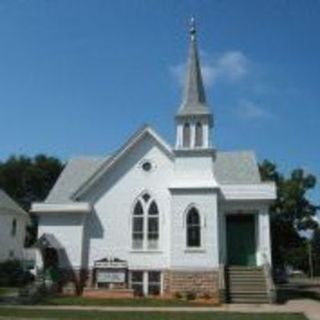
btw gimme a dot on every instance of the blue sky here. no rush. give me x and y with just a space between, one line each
79 77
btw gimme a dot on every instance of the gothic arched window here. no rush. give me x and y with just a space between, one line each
145 223
193 228
186 135
199 135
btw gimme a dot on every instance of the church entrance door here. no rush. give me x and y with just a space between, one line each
241 244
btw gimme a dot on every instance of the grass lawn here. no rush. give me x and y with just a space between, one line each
96 315
136 302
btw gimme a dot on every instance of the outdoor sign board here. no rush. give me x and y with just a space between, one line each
111 276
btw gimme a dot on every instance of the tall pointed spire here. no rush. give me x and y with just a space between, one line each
194 120
194 98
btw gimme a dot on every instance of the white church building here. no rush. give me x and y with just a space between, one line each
160 219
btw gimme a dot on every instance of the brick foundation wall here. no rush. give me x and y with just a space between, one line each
198 282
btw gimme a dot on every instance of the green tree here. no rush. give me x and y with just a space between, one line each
291 213
29 180
315 244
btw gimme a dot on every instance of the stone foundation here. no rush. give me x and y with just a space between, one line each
199 283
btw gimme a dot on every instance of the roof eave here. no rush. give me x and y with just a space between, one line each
77 207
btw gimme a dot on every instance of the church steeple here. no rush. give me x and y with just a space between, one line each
194 118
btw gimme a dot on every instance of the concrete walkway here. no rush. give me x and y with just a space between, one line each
310 308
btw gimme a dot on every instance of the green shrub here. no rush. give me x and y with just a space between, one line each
12 274
191 295
206 296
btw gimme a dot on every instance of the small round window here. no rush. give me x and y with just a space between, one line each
146 166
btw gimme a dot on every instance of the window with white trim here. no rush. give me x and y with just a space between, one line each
154 283
136 282
145 283
193 223
145 224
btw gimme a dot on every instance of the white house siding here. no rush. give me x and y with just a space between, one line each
194 167
11 246
205 257
108 229
67 228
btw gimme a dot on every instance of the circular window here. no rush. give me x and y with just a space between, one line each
146 166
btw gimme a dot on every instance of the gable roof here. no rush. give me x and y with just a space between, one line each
7 203
81 172
108 163
239 167
75 173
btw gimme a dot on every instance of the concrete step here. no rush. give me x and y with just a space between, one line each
252 276
246 285
247 278
252 294
245 270
244 281
244 273
246 291
247 288
249 301
257 281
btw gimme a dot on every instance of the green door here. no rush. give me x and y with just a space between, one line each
241 245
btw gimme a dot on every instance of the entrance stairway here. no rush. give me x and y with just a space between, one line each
246 285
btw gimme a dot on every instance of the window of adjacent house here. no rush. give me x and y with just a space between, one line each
193 229
199 135
11 254
186 135
14 227
145 224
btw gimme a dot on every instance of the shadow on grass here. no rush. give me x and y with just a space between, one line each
297 291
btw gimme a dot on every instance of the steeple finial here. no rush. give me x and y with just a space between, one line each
192 30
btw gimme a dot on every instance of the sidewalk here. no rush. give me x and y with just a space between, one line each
310 308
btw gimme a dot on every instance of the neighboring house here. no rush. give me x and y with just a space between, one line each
156 218
13 222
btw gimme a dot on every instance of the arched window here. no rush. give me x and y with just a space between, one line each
153 226
14 227
193 228
137 226
145 223
199 135
186 135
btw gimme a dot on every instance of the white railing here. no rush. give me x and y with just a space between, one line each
271 289
222 283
